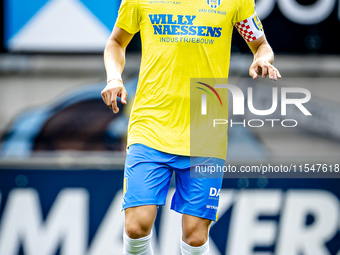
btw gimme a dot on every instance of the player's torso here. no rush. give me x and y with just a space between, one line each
181 39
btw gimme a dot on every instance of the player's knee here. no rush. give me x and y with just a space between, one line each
137 227
135 231
139 221
195 240
195 236
195 230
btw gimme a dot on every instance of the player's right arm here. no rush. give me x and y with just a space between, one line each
114 59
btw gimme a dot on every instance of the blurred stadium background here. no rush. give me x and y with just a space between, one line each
62 150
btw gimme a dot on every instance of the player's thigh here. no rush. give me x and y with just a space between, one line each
139 220
192 224
146 177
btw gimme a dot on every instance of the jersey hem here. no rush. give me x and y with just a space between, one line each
162 149
171 150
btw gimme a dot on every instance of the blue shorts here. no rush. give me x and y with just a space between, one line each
147 178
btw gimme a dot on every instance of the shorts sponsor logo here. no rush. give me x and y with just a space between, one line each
214 193
212 207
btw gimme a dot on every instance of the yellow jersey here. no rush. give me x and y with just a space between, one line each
181 39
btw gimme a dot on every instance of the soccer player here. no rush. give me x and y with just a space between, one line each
181 39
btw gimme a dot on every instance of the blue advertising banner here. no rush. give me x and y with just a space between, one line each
77 212
59 25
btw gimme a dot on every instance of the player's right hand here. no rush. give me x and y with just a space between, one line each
109 94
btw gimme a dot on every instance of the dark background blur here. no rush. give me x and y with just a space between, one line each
2 19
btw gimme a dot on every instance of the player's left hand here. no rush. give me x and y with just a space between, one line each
263 68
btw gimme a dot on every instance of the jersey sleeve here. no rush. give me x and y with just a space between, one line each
247 22
129 16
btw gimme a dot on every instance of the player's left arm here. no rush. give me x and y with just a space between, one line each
263 60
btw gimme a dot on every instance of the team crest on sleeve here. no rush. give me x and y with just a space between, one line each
257 23
214 3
